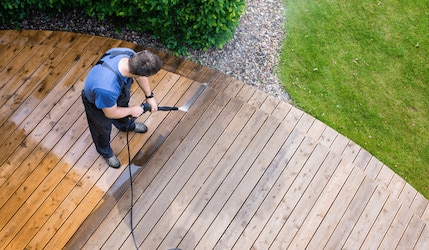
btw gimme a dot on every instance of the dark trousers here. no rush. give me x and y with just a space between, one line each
100 126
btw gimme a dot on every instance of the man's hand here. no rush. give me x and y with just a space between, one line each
136 111
153 104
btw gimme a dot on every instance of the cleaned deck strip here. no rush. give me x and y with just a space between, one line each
182 178
152 167
80 127
34 152
35 127
152 203
8 36
14 65
30 83
240 170
47 197
94 194
181 188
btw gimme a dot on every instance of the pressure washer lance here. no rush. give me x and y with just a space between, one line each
185 108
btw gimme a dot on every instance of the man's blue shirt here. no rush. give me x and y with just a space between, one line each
101 86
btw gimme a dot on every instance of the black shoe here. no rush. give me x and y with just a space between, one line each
113 162
140 128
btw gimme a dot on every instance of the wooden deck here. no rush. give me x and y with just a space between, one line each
240 170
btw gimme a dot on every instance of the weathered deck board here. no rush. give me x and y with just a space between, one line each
366 220
322 206
203 176
240 170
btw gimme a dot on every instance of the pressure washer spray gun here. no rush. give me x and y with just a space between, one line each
146 107
185 108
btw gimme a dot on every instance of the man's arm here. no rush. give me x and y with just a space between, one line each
116 112
144 84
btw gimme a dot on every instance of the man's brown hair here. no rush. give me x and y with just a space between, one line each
144 63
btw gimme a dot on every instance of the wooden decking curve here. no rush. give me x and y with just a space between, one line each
240 170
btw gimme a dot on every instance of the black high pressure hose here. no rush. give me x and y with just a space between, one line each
146 107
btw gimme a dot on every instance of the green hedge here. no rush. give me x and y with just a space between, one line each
199 24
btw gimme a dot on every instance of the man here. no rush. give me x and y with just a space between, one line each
107 93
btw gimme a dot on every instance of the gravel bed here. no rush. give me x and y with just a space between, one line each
251 56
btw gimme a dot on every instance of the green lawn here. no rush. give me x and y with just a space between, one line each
362 68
